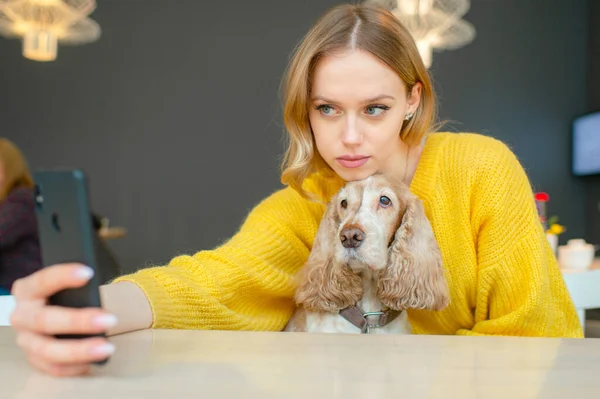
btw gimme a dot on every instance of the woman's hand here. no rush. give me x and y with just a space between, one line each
36 322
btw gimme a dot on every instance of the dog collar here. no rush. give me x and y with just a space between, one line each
364 320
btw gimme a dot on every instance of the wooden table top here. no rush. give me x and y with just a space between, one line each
218 364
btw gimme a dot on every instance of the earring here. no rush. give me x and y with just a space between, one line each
408 116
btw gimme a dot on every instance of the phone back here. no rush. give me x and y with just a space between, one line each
66 230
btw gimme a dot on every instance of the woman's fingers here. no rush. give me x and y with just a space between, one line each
58 370
51 320
36 323
50 280
52 351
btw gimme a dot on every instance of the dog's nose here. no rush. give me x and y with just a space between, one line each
352 237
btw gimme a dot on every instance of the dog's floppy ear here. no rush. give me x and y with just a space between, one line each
414 277
325 285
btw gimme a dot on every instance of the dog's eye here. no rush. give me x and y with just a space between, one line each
344 203
385 201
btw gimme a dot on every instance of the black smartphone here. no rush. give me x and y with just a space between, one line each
67 234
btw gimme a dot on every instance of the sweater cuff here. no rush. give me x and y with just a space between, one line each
164 314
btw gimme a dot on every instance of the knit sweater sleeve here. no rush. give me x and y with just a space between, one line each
245 283
520 287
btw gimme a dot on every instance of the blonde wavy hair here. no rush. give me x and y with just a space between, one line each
348 27
16 172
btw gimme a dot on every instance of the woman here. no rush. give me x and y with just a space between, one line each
19 247
358 100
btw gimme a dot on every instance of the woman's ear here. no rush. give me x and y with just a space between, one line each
325 285
414 97
414 277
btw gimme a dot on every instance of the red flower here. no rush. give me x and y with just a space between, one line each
542 197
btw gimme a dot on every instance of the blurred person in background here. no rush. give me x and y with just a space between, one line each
19 243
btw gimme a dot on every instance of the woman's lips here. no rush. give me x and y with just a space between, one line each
352 161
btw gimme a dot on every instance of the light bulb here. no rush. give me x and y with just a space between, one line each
40 45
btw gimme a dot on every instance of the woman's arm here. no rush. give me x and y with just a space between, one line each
128 303
246 283
520 287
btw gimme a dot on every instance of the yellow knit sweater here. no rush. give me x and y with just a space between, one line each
503 276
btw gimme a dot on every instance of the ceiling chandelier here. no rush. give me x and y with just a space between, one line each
42 24
434 24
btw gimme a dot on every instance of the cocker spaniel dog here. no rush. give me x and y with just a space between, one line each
374 256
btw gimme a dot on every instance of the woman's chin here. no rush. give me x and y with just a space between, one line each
355 174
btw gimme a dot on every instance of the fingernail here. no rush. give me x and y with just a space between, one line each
103 350
105 321
84 273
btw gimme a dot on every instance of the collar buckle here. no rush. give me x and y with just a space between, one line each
362 319
368 325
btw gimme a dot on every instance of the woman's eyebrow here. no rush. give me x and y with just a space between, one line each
369 100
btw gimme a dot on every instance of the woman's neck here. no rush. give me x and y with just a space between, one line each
404 166
414 155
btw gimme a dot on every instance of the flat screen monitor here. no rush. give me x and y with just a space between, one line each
586 145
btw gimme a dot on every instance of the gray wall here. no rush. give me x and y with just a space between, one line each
175 112
592 207
523 81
